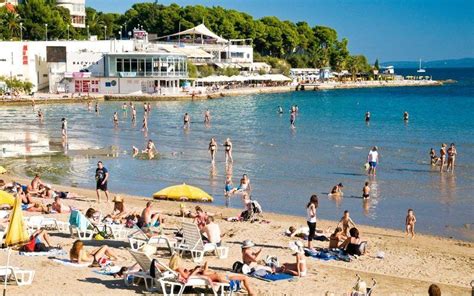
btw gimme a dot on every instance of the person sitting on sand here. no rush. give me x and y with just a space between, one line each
345 223
352 244
205 272
35 183
337 189
60 207
336 238
212 232
39 242
410 221
250 256
299 268
25 196
148 218
79 255
366 191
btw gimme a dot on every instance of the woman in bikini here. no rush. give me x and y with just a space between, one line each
451 157
299 268
442 157
228 151
79 255
213 149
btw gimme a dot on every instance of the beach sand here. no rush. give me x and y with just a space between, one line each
409 266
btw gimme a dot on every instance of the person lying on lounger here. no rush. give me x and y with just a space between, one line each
79 255
205 272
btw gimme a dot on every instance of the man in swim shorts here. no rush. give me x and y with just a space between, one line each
101 177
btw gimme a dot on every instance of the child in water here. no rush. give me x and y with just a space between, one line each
410 223
366 191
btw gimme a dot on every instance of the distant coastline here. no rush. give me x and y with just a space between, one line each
448 63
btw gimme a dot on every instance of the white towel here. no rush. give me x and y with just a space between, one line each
54 252
68 262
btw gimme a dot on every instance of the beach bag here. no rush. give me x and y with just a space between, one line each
237 267
272 261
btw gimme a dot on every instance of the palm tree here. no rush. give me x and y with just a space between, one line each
12 21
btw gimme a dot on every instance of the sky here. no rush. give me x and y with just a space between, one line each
391 30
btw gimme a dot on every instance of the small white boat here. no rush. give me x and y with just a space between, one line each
420 70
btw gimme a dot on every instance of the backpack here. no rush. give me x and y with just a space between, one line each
237 267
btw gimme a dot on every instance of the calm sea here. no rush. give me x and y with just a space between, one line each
328 146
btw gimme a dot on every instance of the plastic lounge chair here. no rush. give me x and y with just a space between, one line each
119 232
22 277
79 224
34 223
138 239
167 279
192 242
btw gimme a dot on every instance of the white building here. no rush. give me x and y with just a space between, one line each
77 10
13 2
105 66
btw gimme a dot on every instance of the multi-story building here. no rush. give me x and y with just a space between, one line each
77 10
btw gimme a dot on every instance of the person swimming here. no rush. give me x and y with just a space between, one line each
280 110
405 116
207 117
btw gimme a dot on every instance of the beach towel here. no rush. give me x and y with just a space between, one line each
68 262
327 255
79 220
53 252
273 277
109 270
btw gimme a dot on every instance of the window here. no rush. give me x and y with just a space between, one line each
148 66
126 65
134 65
119 65
236 54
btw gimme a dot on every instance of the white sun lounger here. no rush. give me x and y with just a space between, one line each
138 239
192 242
22 277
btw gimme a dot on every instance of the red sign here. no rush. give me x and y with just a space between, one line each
25 54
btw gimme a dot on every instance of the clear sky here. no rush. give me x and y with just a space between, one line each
387 29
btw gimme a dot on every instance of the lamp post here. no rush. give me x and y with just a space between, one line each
120 32
88 37
21 31
68 32
46 32
105 32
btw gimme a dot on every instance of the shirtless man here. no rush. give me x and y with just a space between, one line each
148 218
292 119
337 189
145 123
150 149
451 157
116 120
250 256
186 120
366 191
134 114
405 116
34 187
40 115
64 127
410 221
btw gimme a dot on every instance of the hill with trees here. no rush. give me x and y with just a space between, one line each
274 40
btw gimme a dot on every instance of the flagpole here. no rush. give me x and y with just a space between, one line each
6 272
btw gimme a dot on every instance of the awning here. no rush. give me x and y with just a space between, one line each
199 30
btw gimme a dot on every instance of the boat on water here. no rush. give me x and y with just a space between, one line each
420 69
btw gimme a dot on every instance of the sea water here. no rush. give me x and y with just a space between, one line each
286 166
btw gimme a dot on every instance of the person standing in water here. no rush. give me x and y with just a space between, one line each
40 115
150 149
116 120
101 177
124 107
451 157
134 114
148 107
207 117
213 149
280 110
64 128
367 116
372 159
442 157
89 107
228 151
292 119
366 191
434 159
145 107
405 116
311 218
145 123
186 120
96 107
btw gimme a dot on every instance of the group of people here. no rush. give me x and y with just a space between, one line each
227 150
447 157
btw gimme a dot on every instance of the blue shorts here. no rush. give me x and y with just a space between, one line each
373 164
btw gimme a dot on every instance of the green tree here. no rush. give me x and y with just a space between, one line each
376 64
192 70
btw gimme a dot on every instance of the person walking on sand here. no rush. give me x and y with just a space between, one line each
410 221
311 218
373 159
442 157
64 128
101 177
451 157
228 151
213 149
207 117
186 120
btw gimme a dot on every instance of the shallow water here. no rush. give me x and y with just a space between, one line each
328 146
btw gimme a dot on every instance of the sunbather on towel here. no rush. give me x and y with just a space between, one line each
336 238
299 268
250 257
205 272
79 255
39 242
59 207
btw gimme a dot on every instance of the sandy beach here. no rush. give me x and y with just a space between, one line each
409 266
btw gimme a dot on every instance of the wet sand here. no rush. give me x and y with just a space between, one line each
409 266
